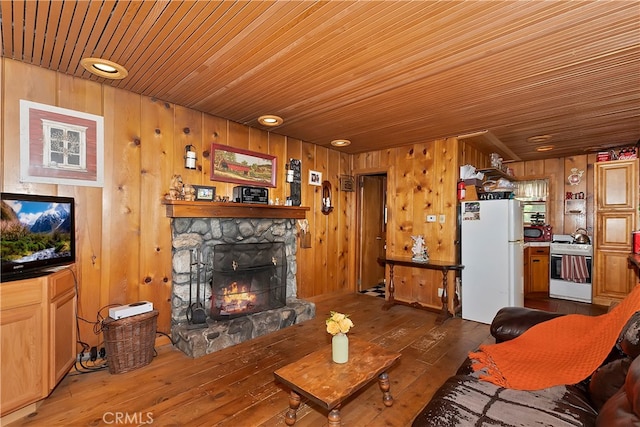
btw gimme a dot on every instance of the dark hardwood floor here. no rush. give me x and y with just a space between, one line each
543 302
236 387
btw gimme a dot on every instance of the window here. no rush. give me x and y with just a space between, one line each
533 194
65 146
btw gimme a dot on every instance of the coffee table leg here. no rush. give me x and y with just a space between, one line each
294 403
334 417
383 381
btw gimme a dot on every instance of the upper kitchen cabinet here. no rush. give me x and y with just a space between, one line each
617 184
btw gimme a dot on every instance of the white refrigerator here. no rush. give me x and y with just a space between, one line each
492 254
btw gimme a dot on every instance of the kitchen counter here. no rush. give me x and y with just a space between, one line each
534 244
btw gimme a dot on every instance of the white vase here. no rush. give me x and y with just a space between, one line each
340 348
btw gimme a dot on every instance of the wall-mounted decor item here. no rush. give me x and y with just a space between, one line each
294 178
305 233
315 178
575 177
189 157
205 193
327 207
347 183
230 164
60 146
575 206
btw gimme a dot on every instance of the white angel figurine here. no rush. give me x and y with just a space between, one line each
419 249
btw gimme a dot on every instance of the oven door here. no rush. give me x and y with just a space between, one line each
556 267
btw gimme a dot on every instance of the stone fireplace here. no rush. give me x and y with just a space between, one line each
246 274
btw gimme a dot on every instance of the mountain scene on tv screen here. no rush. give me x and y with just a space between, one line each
32 231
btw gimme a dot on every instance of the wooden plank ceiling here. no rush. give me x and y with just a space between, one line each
381 74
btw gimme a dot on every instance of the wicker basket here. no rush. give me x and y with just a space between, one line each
129 342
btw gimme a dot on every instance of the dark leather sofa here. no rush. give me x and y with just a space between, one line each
610 397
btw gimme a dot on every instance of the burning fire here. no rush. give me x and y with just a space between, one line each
236 298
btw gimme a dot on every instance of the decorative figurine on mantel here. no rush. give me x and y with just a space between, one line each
419 249
176 188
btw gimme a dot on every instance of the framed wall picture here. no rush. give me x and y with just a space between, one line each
205 193
230 164
60 146
315 178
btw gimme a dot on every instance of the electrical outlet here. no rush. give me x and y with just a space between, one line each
431 218
442 218
440 291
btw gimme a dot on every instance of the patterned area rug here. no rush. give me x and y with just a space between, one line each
376 291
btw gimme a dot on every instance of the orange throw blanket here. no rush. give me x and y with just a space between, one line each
564 350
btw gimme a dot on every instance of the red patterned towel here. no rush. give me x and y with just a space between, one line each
574 268
564 350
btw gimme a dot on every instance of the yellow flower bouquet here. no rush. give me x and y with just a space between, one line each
338 323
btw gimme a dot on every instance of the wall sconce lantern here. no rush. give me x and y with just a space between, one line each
189 157
326 198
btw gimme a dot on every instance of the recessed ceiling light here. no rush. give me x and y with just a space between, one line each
545 148
270 120
538 139
104 68
340 142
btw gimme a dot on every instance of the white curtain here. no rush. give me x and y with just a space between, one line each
533 190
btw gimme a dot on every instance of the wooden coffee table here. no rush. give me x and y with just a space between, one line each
328 384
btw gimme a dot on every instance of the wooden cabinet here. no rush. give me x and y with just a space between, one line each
616 209
23 341
614 185
37 337
536 269
62 322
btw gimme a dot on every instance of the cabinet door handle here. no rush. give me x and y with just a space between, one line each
535 260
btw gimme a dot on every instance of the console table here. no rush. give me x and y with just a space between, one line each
432 264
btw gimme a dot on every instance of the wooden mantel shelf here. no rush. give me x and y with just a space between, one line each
184 209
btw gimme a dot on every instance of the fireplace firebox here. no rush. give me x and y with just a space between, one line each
247 278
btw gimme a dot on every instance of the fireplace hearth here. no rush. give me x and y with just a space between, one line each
248 287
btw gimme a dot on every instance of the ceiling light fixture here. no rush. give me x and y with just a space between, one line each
104 68
545 148
340 142
539 139
270 120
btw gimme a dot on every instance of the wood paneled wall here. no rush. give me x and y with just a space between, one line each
557 171
123 235
421 181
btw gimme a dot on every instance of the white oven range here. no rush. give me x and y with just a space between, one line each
573 282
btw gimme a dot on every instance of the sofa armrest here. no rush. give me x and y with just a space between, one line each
511 322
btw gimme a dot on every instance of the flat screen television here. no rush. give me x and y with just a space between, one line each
37 232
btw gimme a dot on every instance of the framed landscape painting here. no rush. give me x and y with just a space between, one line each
230 164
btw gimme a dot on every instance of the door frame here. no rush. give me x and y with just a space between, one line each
358 213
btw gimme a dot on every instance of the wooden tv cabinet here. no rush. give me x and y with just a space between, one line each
37 338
